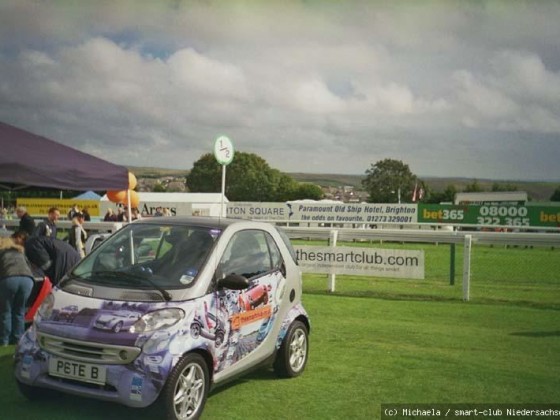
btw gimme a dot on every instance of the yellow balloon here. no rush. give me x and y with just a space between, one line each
134 199
132 181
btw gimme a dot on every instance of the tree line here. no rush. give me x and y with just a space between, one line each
250 178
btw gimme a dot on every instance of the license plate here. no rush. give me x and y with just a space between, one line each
78 371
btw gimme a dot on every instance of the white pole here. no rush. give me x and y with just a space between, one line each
129 205
332 277
467 267
223 190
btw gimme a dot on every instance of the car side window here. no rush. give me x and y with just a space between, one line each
247 254
275 254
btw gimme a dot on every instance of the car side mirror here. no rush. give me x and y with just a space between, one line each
233 282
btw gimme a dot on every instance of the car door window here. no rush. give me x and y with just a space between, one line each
247 254
275 255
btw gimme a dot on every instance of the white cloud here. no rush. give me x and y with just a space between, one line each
155 83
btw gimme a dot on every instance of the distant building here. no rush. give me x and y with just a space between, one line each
180 204
501 197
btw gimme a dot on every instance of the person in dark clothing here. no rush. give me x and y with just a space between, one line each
54 257
26 222
48 227
110 216
87 217
16 283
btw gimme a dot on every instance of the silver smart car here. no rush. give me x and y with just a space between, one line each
165 309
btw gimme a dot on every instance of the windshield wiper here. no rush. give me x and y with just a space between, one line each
131 278
68 278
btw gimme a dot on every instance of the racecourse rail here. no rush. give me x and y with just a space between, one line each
417 234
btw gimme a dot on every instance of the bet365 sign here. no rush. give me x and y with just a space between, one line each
490 215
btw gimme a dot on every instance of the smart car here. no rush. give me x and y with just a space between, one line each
169 308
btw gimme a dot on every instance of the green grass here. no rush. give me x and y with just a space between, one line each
366 351
380 341
516 276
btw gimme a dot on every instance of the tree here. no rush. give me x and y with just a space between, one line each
496 187
386 179
555 195
206 175
285 186
445 196
474 187
308 191
248 178
159 187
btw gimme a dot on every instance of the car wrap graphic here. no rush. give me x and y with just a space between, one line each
221 323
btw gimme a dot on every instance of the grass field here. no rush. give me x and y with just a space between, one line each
380 341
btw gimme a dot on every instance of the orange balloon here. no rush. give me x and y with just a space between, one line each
134 199
117 196
132 181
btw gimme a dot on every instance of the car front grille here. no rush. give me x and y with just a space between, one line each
86 351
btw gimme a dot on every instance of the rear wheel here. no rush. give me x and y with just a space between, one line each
292 355
186 389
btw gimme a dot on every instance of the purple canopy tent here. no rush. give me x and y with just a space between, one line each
27 159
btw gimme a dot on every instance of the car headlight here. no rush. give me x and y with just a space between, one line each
46 308
152 321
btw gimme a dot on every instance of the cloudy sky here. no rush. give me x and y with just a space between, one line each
452 88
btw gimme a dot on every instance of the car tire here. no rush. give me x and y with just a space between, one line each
186 389
118 327
292 355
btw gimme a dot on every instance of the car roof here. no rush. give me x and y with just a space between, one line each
208 222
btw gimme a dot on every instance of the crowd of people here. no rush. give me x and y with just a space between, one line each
37 250
122 214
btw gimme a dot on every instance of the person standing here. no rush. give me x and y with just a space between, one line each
26 222
86 214
48 227
78 235
73 212
110 216
16 283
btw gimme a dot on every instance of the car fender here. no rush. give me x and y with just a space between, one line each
297 312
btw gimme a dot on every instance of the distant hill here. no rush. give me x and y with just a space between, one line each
329 180
147 172
537 190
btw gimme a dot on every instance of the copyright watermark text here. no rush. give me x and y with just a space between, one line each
473 411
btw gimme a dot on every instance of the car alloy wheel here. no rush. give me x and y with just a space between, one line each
292 355
185 392
298 350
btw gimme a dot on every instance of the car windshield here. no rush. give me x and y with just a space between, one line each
149 256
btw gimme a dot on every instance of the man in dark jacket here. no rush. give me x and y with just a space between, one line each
54 257
48 227
26 222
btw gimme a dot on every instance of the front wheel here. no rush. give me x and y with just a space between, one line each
186 389
292 355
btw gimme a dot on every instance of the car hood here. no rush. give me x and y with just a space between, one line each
82 326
